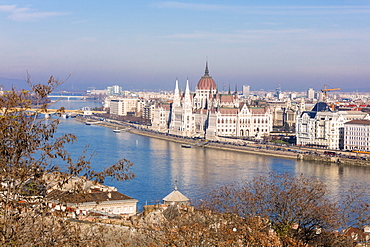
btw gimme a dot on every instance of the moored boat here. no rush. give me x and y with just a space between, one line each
91 122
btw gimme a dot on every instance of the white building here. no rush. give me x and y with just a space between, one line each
322 127
126 106
357 135
207 113
310 94
161 117
246 90
111 202
176 198
148 111
114 90
97 197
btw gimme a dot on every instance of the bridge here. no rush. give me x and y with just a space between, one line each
67 96
53 111
49 112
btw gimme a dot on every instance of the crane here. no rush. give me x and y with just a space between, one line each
325 90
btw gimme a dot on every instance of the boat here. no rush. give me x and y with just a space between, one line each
91 122
117 131
185 146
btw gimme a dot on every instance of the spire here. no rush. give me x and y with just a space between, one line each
187 90
177 87
187 98
236 92
229 89
175 185
176 94
206 73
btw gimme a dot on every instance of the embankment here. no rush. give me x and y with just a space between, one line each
294 153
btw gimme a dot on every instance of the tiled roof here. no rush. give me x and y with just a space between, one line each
226 98
364 122
68 197
257 110
228 110
206 83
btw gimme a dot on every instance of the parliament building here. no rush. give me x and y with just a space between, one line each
209 114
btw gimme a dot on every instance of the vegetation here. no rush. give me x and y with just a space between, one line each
268 210
29 151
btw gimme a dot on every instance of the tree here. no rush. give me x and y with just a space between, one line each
298 208
30 150
268 210
187 227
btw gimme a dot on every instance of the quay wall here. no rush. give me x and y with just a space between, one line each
250 148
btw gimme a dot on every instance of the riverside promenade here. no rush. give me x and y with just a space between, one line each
236 145
252 149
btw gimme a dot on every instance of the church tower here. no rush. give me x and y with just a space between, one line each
205 90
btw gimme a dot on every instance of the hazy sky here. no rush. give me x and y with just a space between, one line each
148 44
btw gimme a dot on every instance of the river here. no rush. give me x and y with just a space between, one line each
160 165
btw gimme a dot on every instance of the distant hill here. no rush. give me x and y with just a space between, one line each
8 83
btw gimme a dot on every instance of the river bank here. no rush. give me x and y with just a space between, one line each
294 152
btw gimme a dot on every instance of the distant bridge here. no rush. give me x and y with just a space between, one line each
53 111
67 96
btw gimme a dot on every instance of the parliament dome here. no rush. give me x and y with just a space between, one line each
206 82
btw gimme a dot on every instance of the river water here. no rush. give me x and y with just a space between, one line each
160 165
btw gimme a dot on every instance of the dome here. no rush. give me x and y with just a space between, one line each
206 82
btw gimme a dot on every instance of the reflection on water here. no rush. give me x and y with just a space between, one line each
159 164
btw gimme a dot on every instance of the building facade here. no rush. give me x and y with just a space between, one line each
114 90
209 114
246 90
357 135
323 128
125 106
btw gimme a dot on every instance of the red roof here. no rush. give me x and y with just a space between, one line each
206 83
228 110
226 98
364 122
256 110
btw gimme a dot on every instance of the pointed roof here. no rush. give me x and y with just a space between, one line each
175 196
319 107
206 73
206 82
187 89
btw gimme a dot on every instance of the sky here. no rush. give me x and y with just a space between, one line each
146 44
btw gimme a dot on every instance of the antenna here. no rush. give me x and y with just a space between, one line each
175 185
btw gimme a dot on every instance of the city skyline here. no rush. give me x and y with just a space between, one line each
148 44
